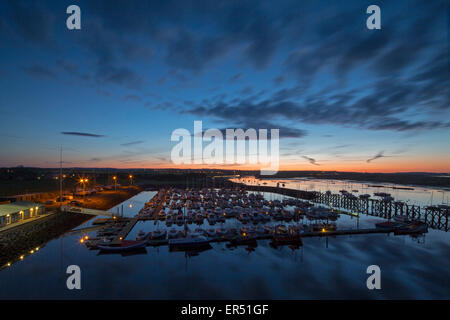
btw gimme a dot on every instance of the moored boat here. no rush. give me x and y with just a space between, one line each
221 232
173 233
389 225
140 236
125 245
415 227
190 241
285 240
211 232
157 235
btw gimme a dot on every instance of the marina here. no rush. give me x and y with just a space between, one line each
239 152
380 204
283 222
159 269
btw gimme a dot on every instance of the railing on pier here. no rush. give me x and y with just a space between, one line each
436 217
93 212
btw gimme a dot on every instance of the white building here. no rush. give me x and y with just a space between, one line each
18 211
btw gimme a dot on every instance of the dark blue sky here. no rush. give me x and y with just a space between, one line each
113 92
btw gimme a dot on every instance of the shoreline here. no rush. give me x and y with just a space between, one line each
362 181
16 243
402 179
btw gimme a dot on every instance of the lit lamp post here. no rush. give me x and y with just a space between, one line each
131 179
115 180
84 193
84 181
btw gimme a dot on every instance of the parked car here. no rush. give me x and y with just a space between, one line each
75 203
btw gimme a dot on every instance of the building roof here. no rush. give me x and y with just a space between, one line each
15 207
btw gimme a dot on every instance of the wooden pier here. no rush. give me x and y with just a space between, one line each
371 207
92 212
125 231
307 234
436 217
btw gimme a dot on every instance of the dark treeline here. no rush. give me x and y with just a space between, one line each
20 180
409 178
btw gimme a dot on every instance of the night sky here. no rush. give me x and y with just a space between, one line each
344 97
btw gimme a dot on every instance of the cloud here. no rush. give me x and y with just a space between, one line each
236 77
279 80
132 143
83 134
245 117
246 90
120 76
40 71
32 21
311 160
67 66
132 97
188 51
377 156
386 105
394 79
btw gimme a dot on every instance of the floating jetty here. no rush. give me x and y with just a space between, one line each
251 211
436 217
329 233
125 231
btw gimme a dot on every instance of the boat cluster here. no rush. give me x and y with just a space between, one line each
244 231
386 197
112 228
404 225
178 206
258 218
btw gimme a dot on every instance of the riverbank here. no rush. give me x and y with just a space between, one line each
419 179
16 243
108 199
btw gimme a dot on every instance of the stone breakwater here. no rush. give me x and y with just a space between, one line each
24 238
19 241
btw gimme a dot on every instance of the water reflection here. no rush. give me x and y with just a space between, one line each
138 251
319 268
416 195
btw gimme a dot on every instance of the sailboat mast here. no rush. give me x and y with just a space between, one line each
60 176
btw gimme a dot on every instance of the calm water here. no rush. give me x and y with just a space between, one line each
323 268
418 196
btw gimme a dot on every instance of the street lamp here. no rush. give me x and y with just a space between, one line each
115 180
131 179
84 181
